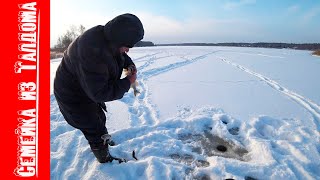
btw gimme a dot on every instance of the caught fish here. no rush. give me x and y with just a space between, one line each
133 85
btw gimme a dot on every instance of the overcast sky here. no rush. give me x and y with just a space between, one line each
177 21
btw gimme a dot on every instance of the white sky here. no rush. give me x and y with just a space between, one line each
187 21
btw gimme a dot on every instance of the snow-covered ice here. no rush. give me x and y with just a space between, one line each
261 105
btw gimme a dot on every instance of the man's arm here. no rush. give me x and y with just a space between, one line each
128 64
127 61
95 78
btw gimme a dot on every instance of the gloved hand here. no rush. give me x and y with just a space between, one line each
132 78
132 69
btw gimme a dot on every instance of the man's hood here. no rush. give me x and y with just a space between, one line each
124 30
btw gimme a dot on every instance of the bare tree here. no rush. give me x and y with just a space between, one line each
71 34
81 29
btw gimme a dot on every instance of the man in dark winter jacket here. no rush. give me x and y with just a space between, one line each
89 75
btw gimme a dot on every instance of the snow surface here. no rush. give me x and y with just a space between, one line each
261 104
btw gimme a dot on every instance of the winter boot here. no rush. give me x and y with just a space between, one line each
107 139
101 152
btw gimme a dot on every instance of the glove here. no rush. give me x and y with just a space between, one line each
132 69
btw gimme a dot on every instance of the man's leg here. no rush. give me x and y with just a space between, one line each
91 121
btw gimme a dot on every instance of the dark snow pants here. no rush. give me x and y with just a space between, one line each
89 119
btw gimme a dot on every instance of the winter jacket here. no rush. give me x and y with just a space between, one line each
90 70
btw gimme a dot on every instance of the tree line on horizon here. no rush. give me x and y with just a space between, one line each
302 46
74 31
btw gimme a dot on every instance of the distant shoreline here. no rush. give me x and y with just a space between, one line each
302 46
315 47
